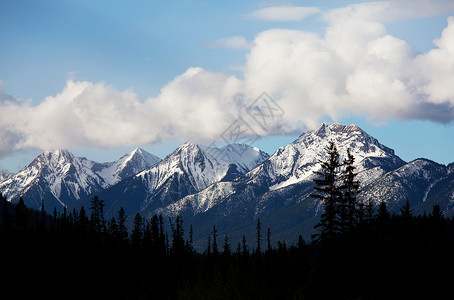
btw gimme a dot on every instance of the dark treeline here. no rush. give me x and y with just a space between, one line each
359 252
82 255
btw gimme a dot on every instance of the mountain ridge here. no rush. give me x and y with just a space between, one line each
234 185
187 170
60 178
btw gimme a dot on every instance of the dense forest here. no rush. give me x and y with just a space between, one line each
360 251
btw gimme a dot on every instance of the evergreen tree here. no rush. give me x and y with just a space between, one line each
369 211
383 215
259 238
327 191
268 240
238 249
155 235
191 236
137 230
227 249
177 236
406 211
163 244
83 222
112 227
383 220
436 215
97 215
349 210
245 250
215 244
22 216
436 224
122 233
42 223
301 244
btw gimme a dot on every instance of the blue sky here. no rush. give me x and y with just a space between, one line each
165 72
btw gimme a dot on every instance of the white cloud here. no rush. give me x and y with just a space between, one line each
196 105
283 13
235 42
356 68
388 11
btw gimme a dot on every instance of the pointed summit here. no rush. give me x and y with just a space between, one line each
128 165
297 161
321 130
57 154
56 176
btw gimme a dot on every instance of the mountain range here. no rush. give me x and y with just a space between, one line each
60 178
233 186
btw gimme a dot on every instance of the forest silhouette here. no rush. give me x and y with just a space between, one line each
360 251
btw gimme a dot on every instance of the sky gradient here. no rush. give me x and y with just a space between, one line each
102 77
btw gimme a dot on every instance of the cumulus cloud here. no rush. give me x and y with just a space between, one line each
196 105
283 13
355 68
388 11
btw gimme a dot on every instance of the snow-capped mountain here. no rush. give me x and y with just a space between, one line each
57 177
187 170
278 191
233 185
128 165
293 164
297 161
422 182
60 178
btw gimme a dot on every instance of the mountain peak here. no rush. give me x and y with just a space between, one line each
138 150
186 149
58 152
326 129
345 136
189 145
56 157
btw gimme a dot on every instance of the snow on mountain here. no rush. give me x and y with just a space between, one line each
128 165
190 160
187 170
297 161
57 177
243 156
413 181
233 185
5 175
292 165
277 191
60 178
201 165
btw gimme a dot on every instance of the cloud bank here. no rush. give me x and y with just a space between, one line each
356 68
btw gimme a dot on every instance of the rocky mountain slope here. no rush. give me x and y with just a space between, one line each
60 178
278 190
234 185
189 169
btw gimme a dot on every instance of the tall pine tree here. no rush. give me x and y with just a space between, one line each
328 192
98 223
349 210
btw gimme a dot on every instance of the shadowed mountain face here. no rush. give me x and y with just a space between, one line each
188 170
60 178
234 185
277 191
